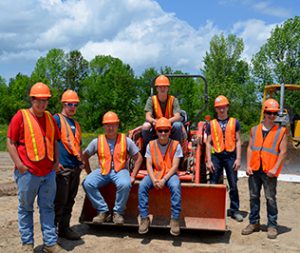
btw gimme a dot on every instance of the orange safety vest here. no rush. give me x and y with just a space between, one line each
37 143
70 142
221 143
119 156
265 151
157 108
162 164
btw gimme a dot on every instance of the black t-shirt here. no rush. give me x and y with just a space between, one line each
223 124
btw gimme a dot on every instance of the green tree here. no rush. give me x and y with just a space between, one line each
110 86
15 96
278 60
228 74
75 70
51 70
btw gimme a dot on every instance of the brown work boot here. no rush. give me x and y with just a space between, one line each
144 224
53 249
251 228
272 232
118 219
175 228
101 217
69 234
27 248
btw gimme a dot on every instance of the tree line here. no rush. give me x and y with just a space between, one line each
106 83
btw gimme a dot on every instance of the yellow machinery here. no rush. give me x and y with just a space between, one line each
285 116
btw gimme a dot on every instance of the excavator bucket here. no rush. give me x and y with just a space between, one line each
203 205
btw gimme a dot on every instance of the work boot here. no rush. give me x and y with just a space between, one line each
101 217
251 228
118 219
144 225
272 232
27 248
69 234
175 228
53 249
238 217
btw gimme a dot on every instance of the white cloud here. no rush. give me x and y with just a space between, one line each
138 32
268 9
254 33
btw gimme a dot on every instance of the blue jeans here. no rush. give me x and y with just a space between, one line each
30 186
175 188
176 133
225 160
256 181
96 180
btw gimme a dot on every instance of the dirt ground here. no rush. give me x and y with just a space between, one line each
120 239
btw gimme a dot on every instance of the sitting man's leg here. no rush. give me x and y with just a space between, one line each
91 185
122 181
143 196
175 188
176 132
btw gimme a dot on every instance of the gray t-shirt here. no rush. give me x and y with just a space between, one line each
163 149
149 106
92 148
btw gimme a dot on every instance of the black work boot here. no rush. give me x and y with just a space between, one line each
69 234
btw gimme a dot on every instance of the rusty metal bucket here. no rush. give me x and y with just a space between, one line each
203 206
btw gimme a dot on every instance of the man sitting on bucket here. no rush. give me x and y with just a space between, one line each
112 149
163 157
162 105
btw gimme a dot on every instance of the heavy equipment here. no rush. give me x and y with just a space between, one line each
203 204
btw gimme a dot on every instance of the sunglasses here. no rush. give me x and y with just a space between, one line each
163 130
271 113
71 104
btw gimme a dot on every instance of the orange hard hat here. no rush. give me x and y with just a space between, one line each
163 123
221 101
70 96
271 105
207 117
40 90
110 118
162 81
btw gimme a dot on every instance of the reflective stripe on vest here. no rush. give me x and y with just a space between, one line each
219 142
265 151
70 142
162 164
157 111
105 156
38 144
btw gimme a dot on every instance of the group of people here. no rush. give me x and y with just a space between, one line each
46 151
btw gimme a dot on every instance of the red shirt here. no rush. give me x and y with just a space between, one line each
16 133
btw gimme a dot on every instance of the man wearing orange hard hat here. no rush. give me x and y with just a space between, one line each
70 157
223 151
266 153
112 149
32 144
162 105
163 157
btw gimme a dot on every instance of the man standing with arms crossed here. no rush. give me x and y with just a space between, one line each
68 175
266 153
32 144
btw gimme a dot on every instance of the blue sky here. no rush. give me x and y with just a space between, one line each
142 33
